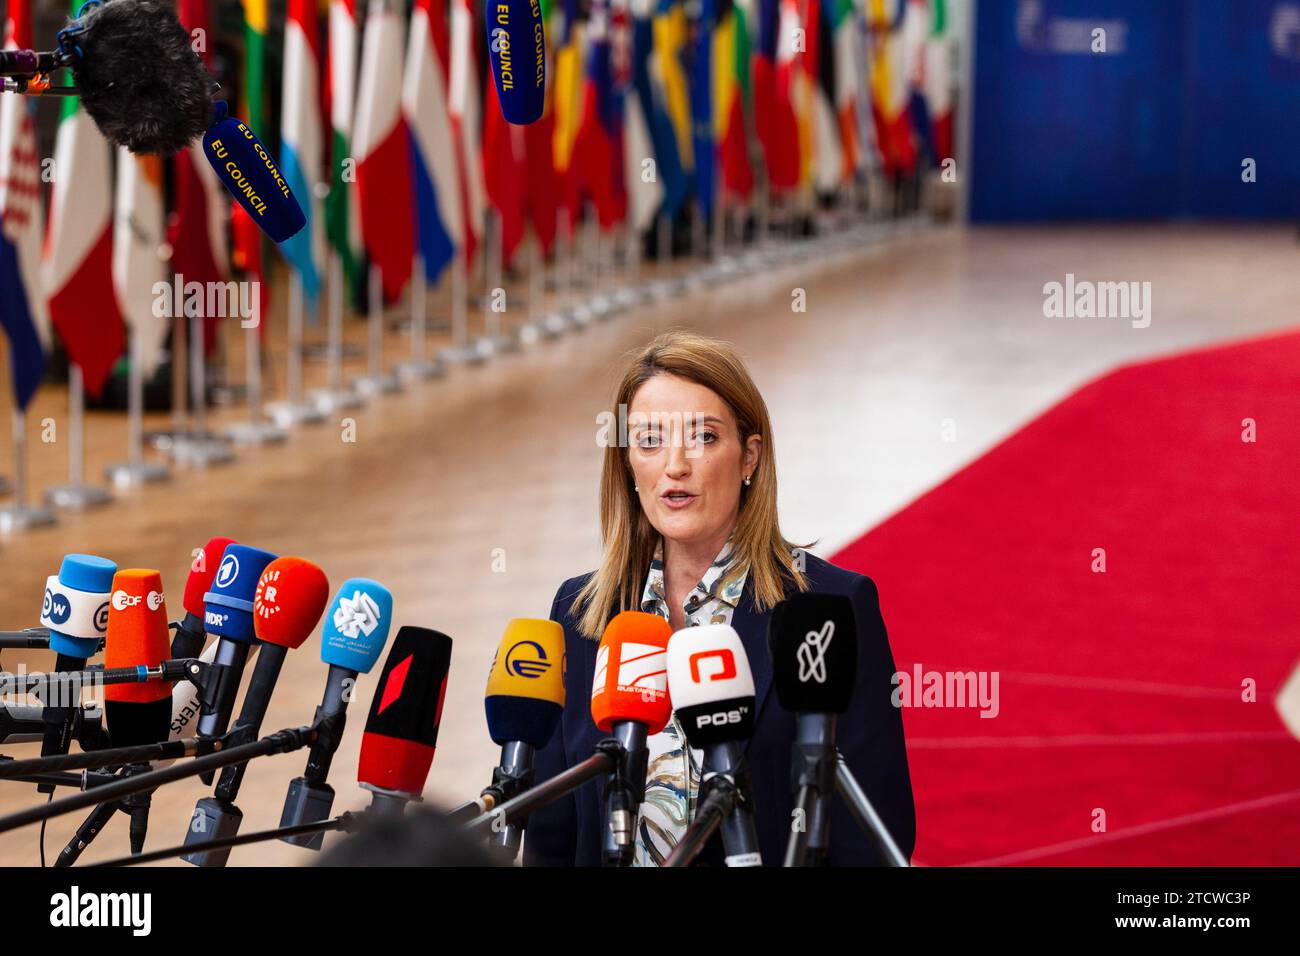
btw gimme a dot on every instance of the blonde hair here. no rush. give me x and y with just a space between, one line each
628 537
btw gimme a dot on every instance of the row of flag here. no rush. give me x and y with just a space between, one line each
650 106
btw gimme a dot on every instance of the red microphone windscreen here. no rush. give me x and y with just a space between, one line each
137 633
290 599
202 570
632 672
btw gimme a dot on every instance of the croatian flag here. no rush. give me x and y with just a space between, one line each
301 139
23 311
433 155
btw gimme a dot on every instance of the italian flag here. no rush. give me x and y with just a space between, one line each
77 259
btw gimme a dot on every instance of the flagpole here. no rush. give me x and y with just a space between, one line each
257 430
376 381
199 448
460 351
419 368
532 330
557 316
293 410
135 470
335 396
76 495
22 516
494 338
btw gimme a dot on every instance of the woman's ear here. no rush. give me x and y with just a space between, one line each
753 450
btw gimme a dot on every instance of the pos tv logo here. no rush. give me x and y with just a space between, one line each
717 664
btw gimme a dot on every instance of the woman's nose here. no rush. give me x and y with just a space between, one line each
678 464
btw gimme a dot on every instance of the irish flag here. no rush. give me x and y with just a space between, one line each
342 213
436 180
79 247
383 152
137 236
301 141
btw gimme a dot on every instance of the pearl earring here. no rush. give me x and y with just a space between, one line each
747 481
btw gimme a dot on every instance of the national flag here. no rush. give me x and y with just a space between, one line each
137 237
434 169
670 35
504 175
567 104
342 212
731 94
939 78
789 156
463 107
595 160
889 89
23 311
196 227
383 151
248 242
301 141
78 247
701 95
644 176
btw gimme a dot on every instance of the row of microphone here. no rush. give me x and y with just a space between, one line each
257 604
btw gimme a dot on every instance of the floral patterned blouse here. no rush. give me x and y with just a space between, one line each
673 770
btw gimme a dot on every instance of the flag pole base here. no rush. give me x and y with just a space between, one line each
129 474
202 451
463 354
554 325
385 384
330 400
5 487
414 371
495 344
256 433
77 497
288 414
24 518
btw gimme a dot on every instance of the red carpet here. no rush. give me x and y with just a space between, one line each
1119 691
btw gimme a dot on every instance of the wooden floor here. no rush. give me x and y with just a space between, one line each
900 336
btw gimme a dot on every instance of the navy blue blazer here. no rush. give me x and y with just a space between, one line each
870 735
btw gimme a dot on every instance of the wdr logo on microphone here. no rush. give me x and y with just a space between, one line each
95 910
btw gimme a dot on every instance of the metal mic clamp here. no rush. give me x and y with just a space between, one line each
624 791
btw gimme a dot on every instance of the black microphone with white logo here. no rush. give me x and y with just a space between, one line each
814 644
712 690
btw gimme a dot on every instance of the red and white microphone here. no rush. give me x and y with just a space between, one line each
629 700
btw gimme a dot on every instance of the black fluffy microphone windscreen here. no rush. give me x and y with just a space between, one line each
138 77
814 643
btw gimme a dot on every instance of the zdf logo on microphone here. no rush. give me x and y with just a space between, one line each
121 600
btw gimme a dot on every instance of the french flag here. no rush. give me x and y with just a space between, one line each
302 140
435 178
23 312
379 141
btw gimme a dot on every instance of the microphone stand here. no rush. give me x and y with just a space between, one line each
609 754
813 772
347 822
135 805
720 797
865 814
283 741
624 791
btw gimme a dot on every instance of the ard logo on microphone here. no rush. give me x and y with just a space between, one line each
527 659
228 571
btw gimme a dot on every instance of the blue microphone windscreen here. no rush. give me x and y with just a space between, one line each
357 625
528 719
228 607
248 172
517 51
87 572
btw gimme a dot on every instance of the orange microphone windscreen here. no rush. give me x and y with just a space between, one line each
137 633
631 680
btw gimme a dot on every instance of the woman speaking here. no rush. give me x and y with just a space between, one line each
689 530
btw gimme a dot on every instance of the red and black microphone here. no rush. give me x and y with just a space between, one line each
629 700
287 605
402 728
135 713
190 634
814 643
